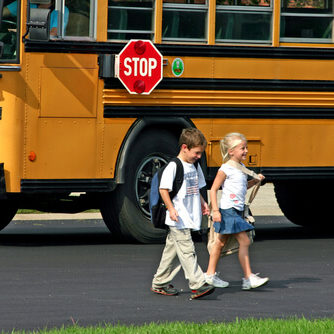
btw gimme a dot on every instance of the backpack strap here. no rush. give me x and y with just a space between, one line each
178 180
243 169
250 173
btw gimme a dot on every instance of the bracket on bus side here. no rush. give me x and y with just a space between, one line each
38 24
106 66
2 182
1 9
40 1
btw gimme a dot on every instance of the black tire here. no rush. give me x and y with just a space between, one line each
8 211
125 211
302 201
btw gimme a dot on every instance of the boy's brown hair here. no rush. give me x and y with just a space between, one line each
192 137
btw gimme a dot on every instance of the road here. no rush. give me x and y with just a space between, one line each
58 271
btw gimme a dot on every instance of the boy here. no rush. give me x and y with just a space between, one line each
184 214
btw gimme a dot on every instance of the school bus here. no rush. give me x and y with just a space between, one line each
73 138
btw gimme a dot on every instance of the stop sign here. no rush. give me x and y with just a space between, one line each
139 66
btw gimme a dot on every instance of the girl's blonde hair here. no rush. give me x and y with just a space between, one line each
230 141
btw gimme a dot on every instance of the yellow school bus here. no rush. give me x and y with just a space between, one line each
73 138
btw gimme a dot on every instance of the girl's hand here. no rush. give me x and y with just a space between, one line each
216 216
253 182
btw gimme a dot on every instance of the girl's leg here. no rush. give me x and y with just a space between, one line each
215 253
244 243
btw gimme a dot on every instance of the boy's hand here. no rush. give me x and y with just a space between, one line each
205 208
173 214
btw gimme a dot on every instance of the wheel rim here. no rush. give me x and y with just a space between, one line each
143 179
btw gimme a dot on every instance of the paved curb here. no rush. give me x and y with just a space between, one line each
58 216
265 204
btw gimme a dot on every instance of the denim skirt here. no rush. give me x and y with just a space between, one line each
232 222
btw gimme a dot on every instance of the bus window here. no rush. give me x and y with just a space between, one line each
74 17
79 18
132 19
306 21
243 21
184 20
8 30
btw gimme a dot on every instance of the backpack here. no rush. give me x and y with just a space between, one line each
157 205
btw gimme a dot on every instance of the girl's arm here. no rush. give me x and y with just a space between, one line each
253 182
219 180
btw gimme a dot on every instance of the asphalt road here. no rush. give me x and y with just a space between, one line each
61 272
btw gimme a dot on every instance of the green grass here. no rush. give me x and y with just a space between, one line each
28 211
23 211
249 326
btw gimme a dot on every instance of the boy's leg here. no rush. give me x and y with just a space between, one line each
185 250
169 265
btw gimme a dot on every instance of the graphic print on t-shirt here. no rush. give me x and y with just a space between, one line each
233 198
191 183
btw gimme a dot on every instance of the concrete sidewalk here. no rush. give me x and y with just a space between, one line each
265 204
58 216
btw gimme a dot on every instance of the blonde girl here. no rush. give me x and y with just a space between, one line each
227 216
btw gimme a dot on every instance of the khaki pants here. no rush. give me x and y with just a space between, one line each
179 252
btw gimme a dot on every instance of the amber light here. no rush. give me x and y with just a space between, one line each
32 156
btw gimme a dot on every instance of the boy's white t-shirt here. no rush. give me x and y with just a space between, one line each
234 188
187 202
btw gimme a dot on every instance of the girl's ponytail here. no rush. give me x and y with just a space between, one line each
224 150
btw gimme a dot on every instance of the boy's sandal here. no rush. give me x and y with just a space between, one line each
168 290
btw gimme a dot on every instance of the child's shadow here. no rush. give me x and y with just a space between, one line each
235 286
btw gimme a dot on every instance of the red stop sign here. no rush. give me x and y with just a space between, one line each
139 66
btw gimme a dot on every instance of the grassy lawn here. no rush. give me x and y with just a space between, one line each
22 211
249 326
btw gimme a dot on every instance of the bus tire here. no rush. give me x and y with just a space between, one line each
302 201
125 210
8 211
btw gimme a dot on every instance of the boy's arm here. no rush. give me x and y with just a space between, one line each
205 207
169 204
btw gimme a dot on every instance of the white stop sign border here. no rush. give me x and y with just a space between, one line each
141 66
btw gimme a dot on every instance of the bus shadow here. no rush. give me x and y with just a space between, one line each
56 239
280 228
94 232
40 233
290 233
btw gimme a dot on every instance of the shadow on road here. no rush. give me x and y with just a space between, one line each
94 232
279 228
288 233
56 239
